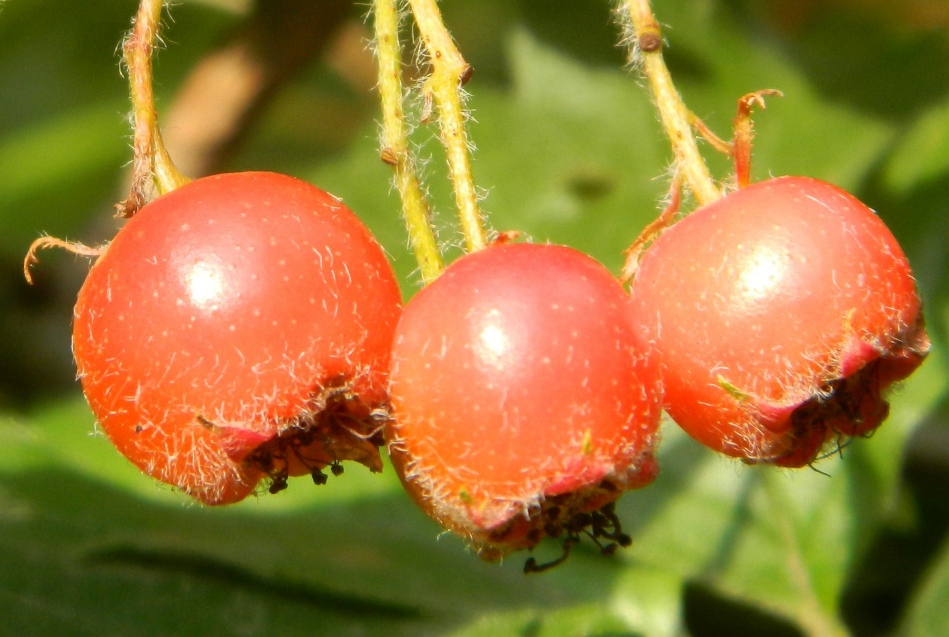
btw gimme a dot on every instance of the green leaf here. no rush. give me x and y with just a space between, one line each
64 131
591 620
42 178
650 600
784 541
90 546
724 59
922 156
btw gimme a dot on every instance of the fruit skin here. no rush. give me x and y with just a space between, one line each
236 327
780 315
519 400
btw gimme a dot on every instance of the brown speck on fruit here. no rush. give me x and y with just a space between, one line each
608 486
204 421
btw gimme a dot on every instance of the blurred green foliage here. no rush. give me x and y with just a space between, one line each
569 151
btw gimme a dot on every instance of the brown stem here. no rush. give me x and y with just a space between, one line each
218 103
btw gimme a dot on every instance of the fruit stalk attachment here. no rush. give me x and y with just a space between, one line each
395 141
151 160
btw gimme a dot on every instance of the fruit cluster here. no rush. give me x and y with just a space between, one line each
247 327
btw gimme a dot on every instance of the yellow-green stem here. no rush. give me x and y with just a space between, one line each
151 160
395 141
444 87
676 118
166 175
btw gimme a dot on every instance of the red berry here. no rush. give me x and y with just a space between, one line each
521 406
238 327
780 314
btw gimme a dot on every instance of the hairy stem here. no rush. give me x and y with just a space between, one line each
151 160
744 133
646 38
395 141
449 72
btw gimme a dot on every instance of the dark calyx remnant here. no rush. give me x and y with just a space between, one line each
336 428
846 407
599 525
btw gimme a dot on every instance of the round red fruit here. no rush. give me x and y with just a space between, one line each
521 406
780 315
236 328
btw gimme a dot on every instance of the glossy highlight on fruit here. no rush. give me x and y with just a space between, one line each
521 406
235 329
780 314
